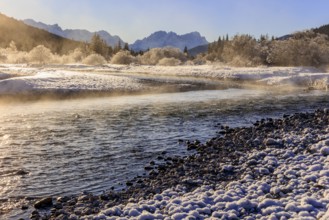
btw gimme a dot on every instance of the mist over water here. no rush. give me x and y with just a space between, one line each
65 147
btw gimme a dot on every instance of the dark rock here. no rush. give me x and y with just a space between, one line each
148 168
192 147
63 199
35 215
161 167
104 197
58 206
24 207
44 203
22 172
128 183
153 173
273 142
196 142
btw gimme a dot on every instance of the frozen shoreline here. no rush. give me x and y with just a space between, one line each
22 79
277 169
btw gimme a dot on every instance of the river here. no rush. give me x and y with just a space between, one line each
56 148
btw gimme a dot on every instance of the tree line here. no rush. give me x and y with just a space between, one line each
308 48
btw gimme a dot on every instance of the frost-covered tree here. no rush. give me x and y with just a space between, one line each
40 54
12 46
94 59
302 49
117 48
123 57
242 50
169 61
126 47
154 55
99 46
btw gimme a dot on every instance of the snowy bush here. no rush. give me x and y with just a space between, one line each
153 56
76 56
40 54
17 57
302 49
12 55
94 59
3 56
169 62
123 57
242 50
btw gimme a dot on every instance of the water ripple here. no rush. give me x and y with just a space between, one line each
65 147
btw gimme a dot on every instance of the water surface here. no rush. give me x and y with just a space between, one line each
65 147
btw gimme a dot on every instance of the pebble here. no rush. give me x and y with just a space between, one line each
43 203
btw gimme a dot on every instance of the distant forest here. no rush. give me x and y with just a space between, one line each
20 43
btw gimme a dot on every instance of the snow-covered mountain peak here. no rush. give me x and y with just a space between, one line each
171 39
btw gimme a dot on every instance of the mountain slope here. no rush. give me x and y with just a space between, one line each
75 34
165 39
324 29
27 37
197 50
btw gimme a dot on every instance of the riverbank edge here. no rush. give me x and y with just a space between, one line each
190 172
263 77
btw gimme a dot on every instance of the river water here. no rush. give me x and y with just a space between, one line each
65 147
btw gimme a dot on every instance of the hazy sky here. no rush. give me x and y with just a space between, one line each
135 19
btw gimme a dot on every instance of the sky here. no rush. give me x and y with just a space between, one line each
136 19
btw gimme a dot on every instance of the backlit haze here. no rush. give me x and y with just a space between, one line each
136 19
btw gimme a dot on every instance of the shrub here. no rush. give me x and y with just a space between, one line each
153 56
123 57
169 62
17 57
40 54
94 59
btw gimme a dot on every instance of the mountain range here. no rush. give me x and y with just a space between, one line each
75 34
157 39
169 39
27 37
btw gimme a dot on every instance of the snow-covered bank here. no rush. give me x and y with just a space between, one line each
305 76
112 78
65 80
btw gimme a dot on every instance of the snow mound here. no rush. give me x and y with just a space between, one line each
107 78
66 80
305 76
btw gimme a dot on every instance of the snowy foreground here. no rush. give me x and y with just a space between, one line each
277 169
15 79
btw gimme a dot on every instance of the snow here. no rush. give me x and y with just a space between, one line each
265 75
126 77
297 189
68 80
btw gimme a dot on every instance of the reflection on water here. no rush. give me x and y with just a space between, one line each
65 147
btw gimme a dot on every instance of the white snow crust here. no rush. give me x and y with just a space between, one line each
105 78
68 80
